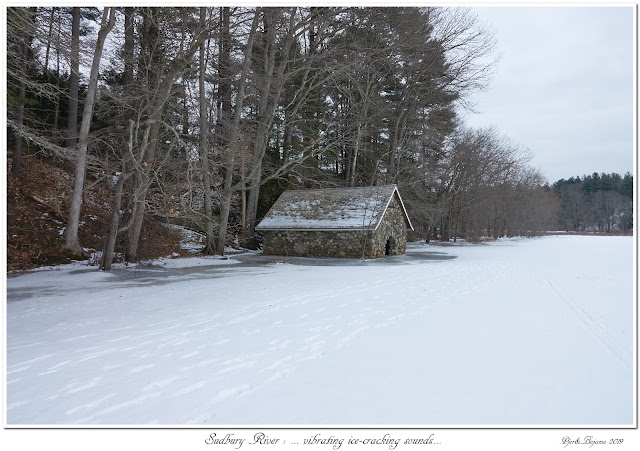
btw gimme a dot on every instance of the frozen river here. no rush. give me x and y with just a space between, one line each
516 332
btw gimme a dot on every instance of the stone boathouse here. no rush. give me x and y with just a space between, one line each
368 222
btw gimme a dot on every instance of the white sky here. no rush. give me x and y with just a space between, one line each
563 87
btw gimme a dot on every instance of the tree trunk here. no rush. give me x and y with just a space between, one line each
243 206
354 160
393 148
225 205
56 113
110 240
286 138
140 195
74 77
25 57
127 76
225 74
210 245
252 210
72 242
223 131
46 56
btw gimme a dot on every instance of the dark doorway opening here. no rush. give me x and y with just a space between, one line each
390 247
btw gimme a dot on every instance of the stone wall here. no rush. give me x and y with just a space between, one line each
342 243
393 226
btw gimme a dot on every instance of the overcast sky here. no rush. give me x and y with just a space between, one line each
563 87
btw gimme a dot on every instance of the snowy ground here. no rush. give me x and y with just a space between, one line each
526 332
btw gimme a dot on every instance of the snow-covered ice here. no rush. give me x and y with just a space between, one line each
516 332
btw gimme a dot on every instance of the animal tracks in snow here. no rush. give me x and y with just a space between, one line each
271 338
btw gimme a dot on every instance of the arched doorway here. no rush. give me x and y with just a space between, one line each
390 247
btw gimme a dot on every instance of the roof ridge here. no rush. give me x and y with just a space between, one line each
338 187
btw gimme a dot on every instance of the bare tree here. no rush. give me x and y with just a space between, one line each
147 163
209 247
272 87
231 148
71 241
22 22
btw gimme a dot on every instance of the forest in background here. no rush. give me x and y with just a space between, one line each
596 202
137 117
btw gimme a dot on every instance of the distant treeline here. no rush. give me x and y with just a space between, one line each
595 202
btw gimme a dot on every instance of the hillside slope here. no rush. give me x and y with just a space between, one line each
37 210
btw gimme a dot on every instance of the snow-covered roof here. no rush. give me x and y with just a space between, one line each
331 209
